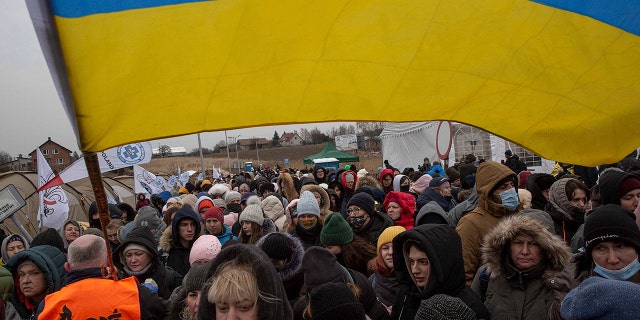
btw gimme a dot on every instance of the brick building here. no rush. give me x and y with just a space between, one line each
58 156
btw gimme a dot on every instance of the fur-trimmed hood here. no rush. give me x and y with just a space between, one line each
368 181
293 265
287 187
496 242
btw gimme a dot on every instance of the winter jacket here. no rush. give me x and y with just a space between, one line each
567 218
274 210
428 195
464 207
165 277
385 288
308 238
177 256
291 273
609 184
6 283
152 307
523 294
225 236
286 187
473 227
51 261
372 230
269 283
432 213
443 248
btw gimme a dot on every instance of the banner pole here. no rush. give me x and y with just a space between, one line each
93 168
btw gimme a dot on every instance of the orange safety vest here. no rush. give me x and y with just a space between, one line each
94 298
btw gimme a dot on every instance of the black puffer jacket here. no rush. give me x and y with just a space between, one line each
166 278
443 247
291 273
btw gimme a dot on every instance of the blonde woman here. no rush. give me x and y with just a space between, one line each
235 291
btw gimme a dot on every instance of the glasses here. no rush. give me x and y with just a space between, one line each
350 211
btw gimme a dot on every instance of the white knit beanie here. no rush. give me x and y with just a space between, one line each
252 213
308 204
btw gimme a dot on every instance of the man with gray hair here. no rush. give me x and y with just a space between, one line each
92 293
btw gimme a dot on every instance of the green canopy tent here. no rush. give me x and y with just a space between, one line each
330 151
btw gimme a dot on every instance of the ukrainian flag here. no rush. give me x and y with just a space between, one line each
558 77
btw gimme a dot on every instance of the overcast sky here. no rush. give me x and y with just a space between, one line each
31 110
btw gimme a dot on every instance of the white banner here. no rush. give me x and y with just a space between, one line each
144 181
347 142
54 204
172 182
111 159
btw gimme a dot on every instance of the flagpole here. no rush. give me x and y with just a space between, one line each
201 158
93 168
226 140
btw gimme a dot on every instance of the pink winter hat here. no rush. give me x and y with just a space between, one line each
206 247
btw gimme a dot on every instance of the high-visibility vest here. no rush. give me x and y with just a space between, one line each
94 298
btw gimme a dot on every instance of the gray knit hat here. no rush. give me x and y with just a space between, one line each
308 204
444 307
252 213
231 195
196 277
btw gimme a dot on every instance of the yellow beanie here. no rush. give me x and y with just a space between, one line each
183 190
388 234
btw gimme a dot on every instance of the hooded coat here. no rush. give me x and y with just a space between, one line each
432 213
474 226
609 184
567 218
535 184
429 194
385 172
291 273
286 186
51 261
442 246
464 207
177 256
528 294
5 242
274 211
64 239
165 277
325 202
269 283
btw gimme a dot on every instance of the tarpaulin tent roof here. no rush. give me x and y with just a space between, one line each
79 193
330 151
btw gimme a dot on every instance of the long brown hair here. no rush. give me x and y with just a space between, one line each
256 233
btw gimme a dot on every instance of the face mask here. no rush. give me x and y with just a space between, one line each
234 207
357 222
623 274
307 224
509 199
405 188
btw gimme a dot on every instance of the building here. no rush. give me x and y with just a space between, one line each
172 152
18 164
290 139
57 156
253 143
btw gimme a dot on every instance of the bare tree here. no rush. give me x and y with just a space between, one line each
165 151
4 157
317 136
371 131
305 135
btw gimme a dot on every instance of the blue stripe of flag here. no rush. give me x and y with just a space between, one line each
623 14
81 8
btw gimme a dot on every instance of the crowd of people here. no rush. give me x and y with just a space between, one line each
476 240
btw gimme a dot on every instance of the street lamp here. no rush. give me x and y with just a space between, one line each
226 140
237 160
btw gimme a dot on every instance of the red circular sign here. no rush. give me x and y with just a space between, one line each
443 139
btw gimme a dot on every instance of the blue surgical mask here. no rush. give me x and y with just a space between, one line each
623 274
509 199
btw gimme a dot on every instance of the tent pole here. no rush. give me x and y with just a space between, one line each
93 167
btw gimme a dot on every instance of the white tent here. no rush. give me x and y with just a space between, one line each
407 144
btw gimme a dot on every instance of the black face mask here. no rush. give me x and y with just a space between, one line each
234 207
405 188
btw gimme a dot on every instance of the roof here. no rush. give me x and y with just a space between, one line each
252 141
286 137
49 140
330 151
